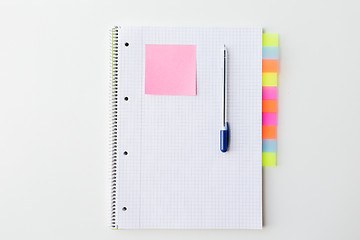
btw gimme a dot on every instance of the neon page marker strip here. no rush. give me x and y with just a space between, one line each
269 93
270 81
269 106
270 65
269 159
268 132
269 145
269 119
270 40
270 52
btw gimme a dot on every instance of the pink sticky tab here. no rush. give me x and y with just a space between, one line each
269 93
170 69
269 119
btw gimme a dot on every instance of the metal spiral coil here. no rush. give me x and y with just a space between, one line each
114 122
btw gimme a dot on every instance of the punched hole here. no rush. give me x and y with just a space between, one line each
124 209
127 44
125 153
126 98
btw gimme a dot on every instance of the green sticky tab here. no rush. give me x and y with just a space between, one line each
269 79
269 159
270 39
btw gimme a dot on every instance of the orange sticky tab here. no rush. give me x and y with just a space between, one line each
269 106
269 132
269 65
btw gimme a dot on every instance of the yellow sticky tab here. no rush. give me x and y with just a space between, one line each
269 79
268 159
270 39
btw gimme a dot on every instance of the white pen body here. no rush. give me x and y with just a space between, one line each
225 79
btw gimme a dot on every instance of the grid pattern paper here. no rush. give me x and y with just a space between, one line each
174 175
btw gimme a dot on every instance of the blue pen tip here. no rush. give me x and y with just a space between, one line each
224 139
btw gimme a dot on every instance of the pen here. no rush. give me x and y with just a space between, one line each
224 133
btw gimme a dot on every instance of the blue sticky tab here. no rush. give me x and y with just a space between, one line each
270 52
269 145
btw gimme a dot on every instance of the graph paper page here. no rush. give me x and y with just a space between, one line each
174 175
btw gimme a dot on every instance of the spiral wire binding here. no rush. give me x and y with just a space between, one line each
114 123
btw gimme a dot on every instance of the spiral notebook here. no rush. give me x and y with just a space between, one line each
167 168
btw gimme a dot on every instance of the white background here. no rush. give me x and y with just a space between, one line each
54 69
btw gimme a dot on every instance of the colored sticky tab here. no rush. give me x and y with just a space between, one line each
269 106
270 52
269 145
269 79
270 55
269 93
170 69
269 118
270 39
269 159
269 132
270 65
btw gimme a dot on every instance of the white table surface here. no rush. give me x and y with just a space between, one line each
54 69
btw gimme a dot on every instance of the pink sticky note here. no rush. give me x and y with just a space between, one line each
269 93
170 69
269 119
